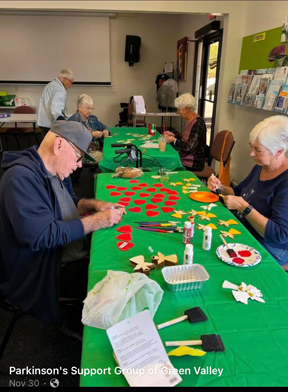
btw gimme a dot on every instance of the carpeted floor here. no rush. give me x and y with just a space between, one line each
37 347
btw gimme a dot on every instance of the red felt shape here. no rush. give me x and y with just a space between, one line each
159 185
170 203
124 237
135 209
125 199
173 198
170 192
164 190
136 188
123 203
122 188
151 207
127 246
143 184
152 213
125 229
167 209
115 193
143 194
139 202
157 195
156 200
128 193
110 186
151 190
134 181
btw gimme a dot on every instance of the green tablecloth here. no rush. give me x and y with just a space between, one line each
254 335
168 159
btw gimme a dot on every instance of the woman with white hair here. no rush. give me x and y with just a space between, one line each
260 201
97 129
191 144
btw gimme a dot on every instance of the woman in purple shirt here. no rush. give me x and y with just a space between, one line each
260 201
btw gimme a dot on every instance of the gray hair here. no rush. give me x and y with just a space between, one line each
66 73
184 101
271 133
84 99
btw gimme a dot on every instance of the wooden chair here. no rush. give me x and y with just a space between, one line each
215 153
139 122
20 131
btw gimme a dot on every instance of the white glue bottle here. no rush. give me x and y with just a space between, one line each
207 238
186 233
188 254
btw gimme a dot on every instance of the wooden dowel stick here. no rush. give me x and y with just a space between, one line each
185 343
171 322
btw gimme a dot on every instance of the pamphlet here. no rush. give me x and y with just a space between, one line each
140 352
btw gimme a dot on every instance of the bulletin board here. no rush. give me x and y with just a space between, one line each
255 55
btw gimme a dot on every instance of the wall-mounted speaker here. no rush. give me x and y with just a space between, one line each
132 49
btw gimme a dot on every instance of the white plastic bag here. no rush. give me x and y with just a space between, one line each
118 296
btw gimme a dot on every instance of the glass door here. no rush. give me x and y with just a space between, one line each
207 61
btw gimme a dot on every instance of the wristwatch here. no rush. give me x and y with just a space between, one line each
247 210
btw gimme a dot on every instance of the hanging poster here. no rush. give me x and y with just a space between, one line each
182 51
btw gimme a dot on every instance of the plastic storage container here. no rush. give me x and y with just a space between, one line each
185 277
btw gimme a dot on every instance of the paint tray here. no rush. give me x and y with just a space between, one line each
185 277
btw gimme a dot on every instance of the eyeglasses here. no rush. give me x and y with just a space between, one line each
88 109
78 154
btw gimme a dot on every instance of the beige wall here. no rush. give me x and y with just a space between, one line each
157 30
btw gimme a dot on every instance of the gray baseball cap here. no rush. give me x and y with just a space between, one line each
75 133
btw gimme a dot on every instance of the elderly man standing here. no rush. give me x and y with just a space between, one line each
52 105
44 252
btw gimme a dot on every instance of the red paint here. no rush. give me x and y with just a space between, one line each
244 253
158 195
151 190
238 260
122 188
136 188
134 181
110 186
129 193
159 185
115 193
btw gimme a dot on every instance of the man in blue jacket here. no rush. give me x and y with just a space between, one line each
52 105
44 251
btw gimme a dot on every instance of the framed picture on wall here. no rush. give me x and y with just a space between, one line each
182 52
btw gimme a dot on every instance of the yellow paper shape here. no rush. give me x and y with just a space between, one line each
177 215
178 183
201 212
184 350
232 222
210 215
233 231
213 226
